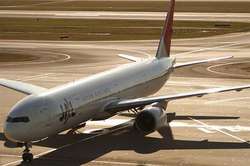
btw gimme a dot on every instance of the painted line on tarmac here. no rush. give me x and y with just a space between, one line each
209 129
28 78
144 53
205 130
65 58
9 155
210 69
188 84
65 146
226 100
122 163
211 48
94 161
100 125
219 130
11 163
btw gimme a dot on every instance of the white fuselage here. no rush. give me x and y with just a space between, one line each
66 106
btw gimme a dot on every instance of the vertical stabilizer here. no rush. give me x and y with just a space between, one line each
165 41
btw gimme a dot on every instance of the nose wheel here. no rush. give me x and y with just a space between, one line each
27 156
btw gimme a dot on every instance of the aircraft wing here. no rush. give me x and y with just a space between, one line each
22 87
122 105
201 61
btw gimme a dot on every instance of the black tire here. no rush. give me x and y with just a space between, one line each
27 157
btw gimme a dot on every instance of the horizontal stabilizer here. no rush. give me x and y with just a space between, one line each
130 57
22 87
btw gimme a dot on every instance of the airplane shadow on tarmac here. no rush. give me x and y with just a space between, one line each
77 149
89 150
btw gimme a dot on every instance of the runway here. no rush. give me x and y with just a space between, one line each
202 132
230 17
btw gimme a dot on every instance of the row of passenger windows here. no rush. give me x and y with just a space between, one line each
24 119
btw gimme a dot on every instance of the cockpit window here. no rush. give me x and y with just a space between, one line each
24 119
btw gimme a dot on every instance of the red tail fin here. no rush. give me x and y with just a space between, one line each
165 42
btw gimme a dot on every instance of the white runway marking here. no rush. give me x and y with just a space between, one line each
211 48
121 50
182 83
175 124
9 155
62 147
206 131
210 69
65 58
209 129
121 163
28 78
227 100
11 163
219 130
94 161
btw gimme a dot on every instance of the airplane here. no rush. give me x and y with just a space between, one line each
46 112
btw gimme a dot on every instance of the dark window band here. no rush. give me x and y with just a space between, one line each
18 119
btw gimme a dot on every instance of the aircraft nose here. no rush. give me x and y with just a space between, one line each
12 132
8 132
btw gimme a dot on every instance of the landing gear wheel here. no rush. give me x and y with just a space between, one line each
27 157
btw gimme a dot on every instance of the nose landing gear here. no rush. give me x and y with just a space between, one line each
27 156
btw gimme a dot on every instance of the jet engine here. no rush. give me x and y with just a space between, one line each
151 119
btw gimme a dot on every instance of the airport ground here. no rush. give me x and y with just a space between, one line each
103 29
128 5
212 130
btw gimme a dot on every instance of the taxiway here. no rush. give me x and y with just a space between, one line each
202 132
229 17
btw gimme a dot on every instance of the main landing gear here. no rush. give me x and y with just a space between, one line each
27 156
74 130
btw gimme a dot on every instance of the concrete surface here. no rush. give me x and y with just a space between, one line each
203 136
230 17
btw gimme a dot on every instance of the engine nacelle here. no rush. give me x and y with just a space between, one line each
150 119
